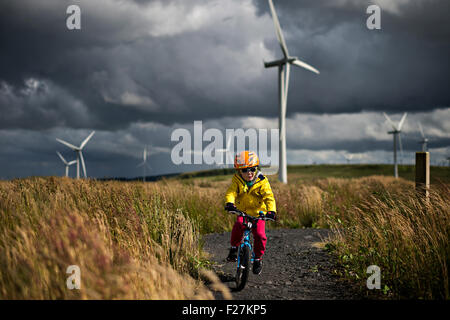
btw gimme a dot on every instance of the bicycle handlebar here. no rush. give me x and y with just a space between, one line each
243 214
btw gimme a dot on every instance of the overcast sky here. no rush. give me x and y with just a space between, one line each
138 70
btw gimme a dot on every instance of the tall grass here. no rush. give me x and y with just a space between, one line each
127 243
143 241
380 221
311 203
202 201
407 237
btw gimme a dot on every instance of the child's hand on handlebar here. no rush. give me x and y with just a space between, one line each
230 207
270 215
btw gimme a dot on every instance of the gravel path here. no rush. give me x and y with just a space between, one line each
295 268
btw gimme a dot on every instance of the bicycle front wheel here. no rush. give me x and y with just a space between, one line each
243 268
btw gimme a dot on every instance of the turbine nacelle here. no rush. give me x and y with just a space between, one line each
279 62
291 60
275 63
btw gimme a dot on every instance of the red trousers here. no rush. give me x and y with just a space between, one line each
259 236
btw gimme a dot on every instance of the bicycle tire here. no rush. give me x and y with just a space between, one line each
243 269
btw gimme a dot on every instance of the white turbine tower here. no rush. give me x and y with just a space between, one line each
68 164
396 134
144 163
79 153
228 153
424 140
283 85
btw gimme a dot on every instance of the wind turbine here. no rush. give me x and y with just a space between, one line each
68 164
144 163
424 140
348 157
283 85
79 152
228 153
396 134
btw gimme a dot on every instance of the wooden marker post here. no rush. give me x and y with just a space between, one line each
423 173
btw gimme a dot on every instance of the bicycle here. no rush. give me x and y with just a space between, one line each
245 254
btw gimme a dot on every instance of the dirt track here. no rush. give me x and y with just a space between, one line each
294 267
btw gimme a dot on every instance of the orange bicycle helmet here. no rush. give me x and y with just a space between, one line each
246 159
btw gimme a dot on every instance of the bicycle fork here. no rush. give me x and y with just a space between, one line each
245 242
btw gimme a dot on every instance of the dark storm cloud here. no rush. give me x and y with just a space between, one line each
39 105
139 69
124 69
403 66
117 70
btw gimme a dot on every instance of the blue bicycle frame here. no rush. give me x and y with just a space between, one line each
245 242
246 237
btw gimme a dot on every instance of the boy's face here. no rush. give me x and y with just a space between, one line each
248 174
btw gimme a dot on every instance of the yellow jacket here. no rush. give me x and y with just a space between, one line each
259 197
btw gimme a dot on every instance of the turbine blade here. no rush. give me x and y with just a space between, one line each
61 157
72 162
82 164
278 30
145 154
140 164
86 140
71 146
390 121
400 125
302 64
421 130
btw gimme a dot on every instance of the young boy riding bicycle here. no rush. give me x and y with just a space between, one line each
250 192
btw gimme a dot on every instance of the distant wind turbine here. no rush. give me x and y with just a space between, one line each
79 153
68 164
144 163
228 153
283 85
348 157
396 134
424 140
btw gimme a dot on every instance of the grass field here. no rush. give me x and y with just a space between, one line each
311 172
143 241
